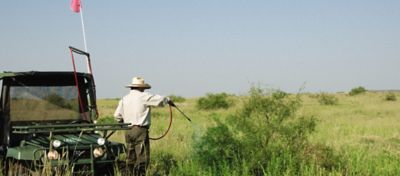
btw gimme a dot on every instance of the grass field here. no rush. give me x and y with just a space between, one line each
362 133
363 130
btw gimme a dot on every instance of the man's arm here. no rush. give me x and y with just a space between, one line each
155 100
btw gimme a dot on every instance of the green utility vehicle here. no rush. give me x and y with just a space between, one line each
47 121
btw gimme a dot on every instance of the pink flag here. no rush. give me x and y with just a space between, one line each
76 6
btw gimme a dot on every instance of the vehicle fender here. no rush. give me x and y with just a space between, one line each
25 153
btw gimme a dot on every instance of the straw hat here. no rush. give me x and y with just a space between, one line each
138 82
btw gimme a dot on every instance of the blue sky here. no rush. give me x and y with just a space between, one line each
191 47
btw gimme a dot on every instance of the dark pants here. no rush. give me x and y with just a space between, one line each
138 150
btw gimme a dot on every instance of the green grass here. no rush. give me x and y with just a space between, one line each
362 130
354 119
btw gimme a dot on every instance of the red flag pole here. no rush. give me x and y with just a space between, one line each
76 6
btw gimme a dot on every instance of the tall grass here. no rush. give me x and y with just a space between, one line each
364 129
357 136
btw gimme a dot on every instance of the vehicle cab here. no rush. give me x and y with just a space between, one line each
47 118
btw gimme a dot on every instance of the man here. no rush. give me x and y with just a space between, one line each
135 108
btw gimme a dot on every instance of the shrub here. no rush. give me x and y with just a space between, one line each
390 96
217 145
177 99
357 90
266 135
327 99
213 101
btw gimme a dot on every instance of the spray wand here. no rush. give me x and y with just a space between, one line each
177 108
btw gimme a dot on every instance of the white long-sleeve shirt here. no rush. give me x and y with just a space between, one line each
135 108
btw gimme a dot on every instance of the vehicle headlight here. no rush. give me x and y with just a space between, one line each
98 152
56 143
101 141
53 155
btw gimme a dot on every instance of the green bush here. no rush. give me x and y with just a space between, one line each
213 101
390 96
327 99
266 136
177 99
357 90
217 146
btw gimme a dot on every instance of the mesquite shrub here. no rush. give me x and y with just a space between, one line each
265 135
213 101
390 96
327 99
177 98
357 90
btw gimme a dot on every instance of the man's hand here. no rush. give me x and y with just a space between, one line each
120 120
170 102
